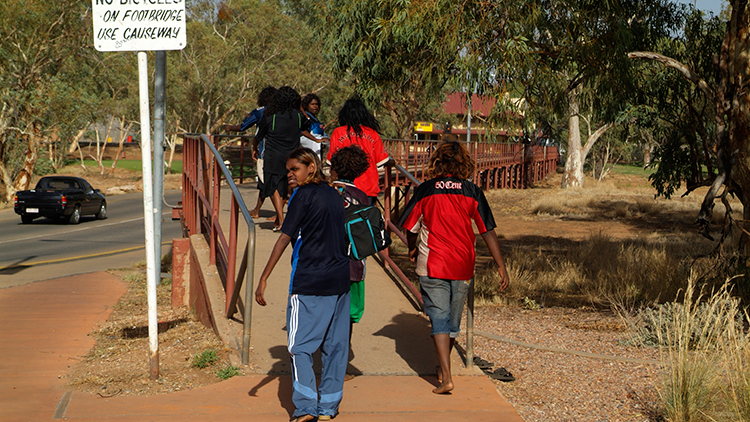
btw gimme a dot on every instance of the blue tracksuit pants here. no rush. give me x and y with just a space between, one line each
318 322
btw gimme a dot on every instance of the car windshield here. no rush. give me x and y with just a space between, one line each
57 184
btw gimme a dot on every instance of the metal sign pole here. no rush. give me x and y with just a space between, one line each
160 76
117 27
148 214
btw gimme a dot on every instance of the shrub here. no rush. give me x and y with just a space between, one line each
704 351
205 359
227 372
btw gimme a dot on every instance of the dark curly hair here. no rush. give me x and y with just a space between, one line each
307 99
354 115
349 163
451 158
285 99
266 95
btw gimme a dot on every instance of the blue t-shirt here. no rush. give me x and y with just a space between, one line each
251 119
315 222
316 128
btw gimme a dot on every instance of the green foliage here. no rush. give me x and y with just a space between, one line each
44 167
44 83
205 359
235 50
133 165
678 117
400 54
227 372
632 170
530 304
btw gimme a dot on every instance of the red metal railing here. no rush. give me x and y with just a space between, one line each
498 166
203 167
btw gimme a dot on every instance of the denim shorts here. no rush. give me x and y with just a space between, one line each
444 303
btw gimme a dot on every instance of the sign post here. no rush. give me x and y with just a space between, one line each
143 25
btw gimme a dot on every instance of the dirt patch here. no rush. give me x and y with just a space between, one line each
121 181
119 364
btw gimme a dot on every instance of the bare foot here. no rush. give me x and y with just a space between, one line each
271 218
254 214
444 388
349 377
304 418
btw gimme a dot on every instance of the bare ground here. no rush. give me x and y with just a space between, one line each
549 386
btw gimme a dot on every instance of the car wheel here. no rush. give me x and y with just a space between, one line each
102 214
27 219
75 218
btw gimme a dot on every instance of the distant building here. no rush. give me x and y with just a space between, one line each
481 109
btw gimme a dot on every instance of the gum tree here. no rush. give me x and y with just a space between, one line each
42 86
726 133
399 55
569 61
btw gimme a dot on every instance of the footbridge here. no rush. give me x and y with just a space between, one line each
228 248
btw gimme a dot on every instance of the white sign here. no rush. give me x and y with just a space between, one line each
139 25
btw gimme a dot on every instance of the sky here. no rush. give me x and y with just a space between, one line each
706 5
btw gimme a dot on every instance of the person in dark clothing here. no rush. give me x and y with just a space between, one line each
318 302
264 98
280 128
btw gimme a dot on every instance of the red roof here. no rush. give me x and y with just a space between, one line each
455 103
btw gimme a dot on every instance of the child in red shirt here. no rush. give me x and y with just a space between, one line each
360 127
440 214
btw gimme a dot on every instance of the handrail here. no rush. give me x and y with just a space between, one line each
195 201
406 174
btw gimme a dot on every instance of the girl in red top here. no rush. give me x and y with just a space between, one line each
440 214
360 127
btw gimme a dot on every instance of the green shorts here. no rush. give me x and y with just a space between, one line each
357 294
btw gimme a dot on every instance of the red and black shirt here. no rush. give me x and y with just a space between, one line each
441 211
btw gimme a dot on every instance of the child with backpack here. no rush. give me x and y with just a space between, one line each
439 215
346 165
318 304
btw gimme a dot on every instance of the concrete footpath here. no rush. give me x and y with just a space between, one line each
45 326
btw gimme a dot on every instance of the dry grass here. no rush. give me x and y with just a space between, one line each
704 350
610 203
599 270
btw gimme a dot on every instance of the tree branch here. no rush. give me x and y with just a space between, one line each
595 137
680 67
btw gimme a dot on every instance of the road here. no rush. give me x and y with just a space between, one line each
47 249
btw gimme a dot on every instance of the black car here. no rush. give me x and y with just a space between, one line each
63 197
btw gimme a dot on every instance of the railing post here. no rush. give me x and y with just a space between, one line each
242 159
470 326
232 252
200 153
387 200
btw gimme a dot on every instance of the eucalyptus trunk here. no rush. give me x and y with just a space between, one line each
573 175
735 70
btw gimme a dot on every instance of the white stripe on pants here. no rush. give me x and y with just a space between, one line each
318 322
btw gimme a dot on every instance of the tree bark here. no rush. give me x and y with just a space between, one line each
737 95
23 179
573 175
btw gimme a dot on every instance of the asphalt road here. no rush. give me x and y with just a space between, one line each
47 249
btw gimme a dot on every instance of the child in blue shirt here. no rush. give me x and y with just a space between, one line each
318 304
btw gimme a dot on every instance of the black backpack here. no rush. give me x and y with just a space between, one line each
365 230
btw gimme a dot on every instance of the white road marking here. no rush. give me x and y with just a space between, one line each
21 239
